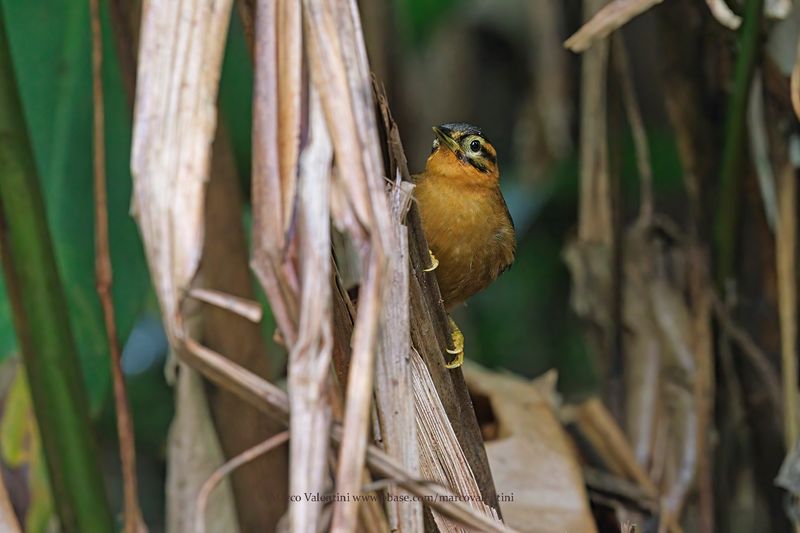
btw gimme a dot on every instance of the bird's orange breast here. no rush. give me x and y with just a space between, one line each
468 228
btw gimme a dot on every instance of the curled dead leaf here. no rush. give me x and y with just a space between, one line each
611 17
536 471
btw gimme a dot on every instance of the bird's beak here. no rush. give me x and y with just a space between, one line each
446 139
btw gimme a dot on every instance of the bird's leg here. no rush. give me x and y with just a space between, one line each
458 345
434 263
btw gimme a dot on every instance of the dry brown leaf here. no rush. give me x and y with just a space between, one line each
393 374
193 454
288 263
786 259
442 459
536 472
221 473
310 356
174 121
612 16
724 14
644 350
595 214
274 402
290 88
669 390
339 71
599 428
638 131
683 394
759 150
270 260
590 268
243 307
175 117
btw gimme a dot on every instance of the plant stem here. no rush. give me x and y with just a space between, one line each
133 521
730 170
41 322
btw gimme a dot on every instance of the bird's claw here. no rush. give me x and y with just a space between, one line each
458 346
455 363
434 263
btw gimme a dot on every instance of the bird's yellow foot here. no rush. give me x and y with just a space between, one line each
434 263
458 345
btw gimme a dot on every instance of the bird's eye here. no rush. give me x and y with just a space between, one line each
475 146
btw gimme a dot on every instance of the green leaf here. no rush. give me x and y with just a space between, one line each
17 425
41 516
50 45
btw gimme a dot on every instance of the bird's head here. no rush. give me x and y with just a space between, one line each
461 151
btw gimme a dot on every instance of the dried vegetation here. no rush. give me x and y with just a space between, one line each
369 406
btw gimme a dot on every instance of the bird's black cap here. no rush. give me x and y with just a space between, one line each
462 128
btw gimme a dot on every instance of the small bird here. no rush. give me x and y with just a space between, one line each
464 217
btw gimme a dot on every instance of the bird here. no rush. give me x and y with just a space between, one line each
464 217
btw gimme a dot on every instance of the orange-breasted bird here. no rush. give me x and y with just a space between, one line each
464 216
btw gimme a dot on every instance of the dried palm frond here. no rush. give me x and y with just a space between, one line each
317 161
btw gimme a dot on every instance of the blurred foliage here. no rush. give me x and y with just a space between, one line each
421 17
523 322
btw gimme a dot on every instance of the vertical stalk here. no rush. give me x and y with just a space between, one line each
730 170
41 322
133 521
786 259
